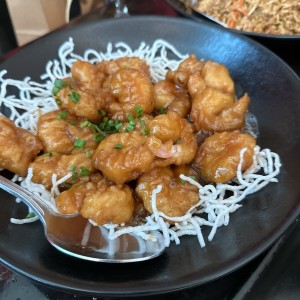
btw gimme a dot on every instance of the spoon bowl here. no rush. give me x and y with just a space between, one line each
76 236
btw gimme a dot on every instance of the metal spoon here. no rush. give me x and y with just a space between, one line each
75 236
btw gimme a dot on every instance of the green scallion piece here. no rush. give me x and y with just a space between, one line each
84 124
118 146
63 115
139 111
146 131
74 96
84 171
48 154
79 143
58 85
88 154
163 111
73 168
30 215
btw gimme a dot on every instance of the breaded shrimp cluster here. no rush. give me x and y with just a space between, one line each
118 135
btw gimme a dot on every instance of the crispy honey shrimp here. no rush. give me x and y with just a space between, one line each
218 156
112 66
179 144
58 130
170 97
44 166
122 157
98 200
82 102
88 75
18 147
215 111
176 196
130 88
187 67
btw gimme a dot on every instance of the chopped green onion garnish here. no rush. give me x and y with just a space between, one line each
130 127
74 96
58 101
84 124
84 171
143 123
182 181
72 123
118 146
67 185
88 154
58 85
100 137
63 115
163 111
75 176
102 112
139 111
73 168
30 215
146 131
49 154
130 118
79 143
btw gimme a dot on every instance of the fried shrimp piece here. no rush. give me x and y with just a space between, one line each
217 77
130 88
187 67
176 196
179 144
98 200
218 156
214 108
88 75
122 157
58 130
44 166
18 147
215 111
70 201
82 102
112 66
109 204
170 97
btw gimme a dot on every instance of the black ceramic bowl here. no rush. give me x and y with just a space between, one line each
274 90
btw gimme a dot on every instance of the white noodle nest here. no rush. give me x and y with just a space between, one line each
216 203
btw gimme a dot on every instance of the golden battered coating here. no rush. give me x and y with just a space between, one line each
176 196
170 97
215 111
44 166
70 201
122 157
109 204
82 102
185 69
112 66
88 75
18 147
179 144
130 88
217 77
218 156
58 130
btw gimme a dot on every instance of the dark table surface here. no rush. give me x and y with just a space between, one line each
275 274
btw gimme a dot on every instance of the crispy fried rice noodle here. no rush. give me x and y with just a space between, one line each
277 17
216 202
